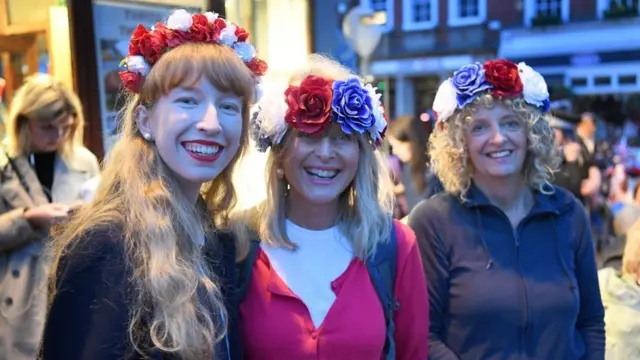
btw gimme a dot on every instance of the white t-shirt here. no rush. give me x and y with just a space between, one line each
322 256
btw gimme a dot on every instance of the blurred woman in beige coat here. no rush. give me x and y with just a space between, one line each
43 166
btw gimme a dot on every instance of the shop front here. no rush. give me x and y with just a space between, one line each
598 61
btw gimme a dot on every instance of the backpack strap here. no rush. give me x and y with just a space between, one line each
382 270
245 268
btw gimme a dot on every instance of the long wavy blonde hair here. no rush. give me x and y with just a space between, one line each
450 156
160 227
42 98
367 203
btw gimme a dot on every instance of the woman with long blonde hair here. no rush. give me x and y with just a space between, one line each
43 167
509 257
333 276
131 278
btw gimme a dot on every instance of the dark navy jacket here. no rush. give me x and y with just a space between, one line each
496 293
89 315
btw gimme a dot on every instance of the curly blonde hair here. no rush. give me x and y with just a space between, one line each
160 227
450 157
367 203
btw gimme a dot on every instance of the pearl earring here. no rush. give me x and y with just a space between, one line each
147 137
280 173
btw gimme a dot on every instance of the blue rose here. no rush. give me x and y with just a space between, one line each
352 106
469 81
546 105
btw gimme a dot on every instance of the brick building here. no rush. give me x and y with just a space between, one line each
586 45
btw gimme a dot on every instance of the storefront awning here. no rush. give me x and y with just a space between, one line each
571 39
590 58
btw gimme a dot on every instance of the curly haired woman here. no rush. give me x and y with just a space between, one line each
509 257
130 280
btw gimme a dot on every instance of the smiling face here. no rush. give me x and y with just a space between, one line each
197 131
319 168
497 143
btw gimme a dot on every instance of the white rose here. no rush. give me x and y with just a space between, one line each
534 88
445 103
136 63
180 20
228 35
211 16
245 51
380 123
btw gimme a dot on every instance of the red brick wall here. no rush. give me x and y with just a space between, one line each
583 10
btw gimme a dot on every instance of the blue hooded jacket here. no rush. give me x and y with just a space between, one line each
501 293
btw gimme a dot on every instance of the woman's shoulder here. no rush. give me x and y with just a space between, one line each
405 237
437 207
95 247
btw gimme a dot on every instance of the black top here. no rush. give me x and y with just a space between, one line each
89 315
44 163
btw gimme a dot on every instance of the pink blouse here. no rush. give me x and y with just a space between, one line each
276 323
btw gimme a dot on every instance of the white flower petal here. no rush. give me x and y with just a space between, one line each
380 123
445 103
534 87
228 35
211 16
180 20
136 63
245 51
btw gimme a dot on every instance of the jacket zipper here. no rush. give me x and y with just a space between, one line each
516 235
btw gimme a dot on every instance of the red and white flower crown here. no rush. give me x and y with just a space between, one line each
147 46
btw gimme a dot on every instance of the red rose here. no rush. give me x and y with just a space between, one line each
138 34
152 46
218 25
241 34
200 30
173 38
309 105
503 75
257 66
131 80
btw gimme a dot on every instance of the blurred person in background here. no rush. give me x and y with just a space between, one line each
620 288
408 137
42 168
571 172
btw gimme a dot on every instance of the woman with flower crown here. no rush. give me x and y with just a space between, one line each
311 292
130 280
509 257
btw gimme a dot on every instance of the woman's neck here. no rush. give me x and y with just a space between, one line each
507 194
311 216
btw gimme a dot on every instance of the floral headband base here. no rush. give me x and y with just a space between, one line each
502 78
147 46
316 104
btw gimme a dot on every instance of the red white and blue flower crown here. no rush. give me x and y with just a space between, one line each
147 46
502 78
314 105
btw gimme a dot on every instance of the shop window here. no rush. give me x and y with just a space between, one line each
579 82
419 14
546 12
467 12
628 80
615 9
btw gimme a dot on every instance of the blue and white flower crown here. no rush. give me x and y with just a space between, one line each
502 78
